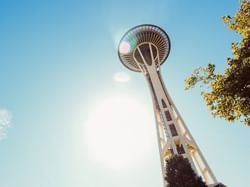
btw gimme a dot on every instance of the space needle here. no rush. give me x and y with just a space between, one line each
144 49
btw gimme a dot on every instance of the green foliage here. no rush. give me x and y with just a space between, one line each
179 173
228 95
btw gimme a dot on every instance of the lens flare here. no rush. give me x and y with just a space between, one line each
124 47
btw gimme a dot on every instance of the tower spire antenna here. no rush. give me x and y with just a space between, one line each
144 49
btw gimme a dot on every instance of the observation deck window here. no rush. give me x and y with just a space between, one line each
163 104
173 130
180 149
168 116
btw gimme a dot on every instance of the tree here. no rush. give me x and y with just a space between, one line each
227 95
179 173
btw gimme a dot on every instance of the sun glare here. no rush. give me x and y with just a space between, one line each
119 133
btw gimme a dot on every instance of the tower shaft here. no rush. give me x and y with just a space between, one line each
174 138
143 49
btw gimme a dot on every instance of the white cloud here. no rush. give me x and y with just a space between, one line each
121 77
5 121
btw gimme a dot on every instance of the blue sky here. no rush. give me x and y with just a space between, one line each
57 62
